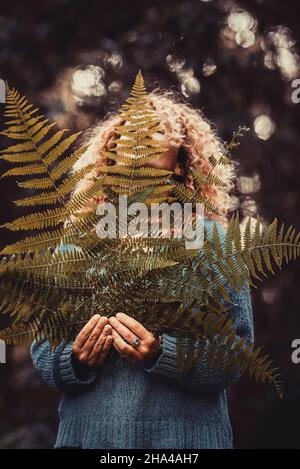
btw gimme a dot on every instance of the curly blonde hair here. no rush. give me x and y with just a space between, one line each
186 129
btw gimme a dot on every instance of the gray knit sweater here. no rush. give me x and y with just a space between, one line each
120 406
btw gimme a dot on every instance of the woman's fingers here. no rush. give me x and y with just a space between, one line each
101 347
98 345
123 348
123 330
136 327
104 352
94 336
95 339
85 331
84 343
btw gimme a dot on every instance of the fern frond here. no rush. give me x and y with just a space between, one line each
138 172
39 242
39 220
186 195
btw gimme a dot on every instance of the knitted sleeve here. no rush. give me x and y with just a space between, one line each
202 378
59 369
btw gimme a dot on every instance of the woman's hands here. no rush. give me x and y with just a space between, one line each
93 342
126 329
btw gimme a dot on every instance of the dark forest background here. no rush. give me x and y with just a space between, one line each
236 60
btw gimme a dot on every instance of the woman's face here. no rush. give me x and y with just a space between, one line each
169 159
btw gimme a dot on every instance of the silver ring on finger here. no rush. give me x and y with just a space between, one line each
136 342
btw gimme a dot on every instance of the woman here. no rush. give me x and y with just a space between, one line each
148 405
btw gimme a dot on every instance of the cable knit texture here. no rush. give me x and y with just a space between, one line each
123 406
